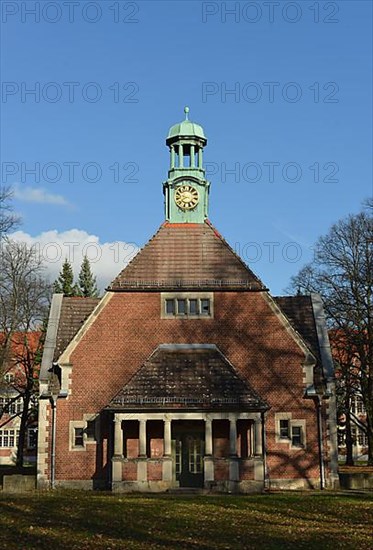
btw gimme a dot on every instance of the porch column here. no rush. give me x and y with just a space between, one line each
233 437
142 464
208 437
258 446
208 460
142 439
167 459
233 461
118 436
118 449
167 437
259 450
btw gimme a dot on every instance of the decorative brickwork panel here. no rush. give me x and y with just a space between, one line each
246 470
220 434
129 471
154 429
221 470
156 448
132 448
154 470
244 440
131 438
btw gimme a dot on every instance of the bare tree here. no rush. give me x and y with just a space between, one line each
342 272
8 219
24 297
368 203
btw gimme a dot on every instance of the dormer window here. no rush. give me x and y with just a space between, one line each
186 305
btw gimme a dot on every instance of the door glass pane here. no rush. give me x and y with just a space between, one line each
178 456
195 455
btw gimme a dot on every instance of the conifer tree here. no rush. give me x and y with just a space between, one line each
65 282
87 281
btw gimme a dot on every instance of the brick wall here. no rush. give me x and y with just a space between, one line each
129 329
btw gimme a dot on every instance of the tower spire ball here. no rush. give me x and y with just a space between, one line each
186 111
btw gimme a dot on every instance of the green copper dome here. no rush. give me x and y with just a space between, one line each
186 128
186 190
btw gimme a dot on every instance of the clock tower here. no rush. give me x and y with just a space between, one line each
186 190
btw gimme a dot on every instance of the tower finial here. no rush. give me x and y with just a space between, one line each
186 111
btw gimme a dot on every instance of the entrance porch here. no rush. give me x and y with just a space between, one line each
216 451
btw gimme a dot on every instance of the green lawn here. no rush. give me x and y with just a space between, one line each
78 520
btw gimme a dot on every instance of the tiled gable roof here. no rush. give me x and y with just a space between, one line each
299 311
186 256
187 376
74 312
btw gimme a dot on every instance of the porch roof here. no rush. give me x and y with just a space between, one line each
187 376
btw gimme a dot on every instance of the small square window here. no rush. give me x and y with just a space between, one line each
296 436
284 429
170 307
193 307
78 437
181 307
186 305
205 306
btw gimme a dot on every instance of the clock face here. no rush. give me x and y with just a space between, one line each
186 197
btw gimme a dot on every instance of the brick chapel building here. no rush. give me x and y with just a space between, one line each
187 373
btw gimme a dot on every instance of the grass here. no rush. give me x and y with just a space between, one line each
81 520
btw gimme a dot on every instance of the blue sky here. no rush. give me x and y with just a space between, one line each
112 77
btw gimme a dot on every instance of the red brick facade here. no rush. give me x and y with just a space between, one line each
251 334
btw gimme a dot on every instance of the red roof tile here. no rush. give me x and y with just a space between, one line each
186 256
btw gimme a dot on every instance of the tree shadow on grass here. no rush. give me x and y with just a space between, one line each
77 520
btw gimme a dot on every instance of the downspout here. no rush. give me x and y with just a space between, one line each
320 442
53 442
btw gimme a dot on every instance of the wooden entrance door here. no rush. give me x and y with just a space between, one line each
189 451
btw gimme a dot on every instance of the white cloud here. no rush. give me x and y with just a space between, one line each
107 259
39 195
